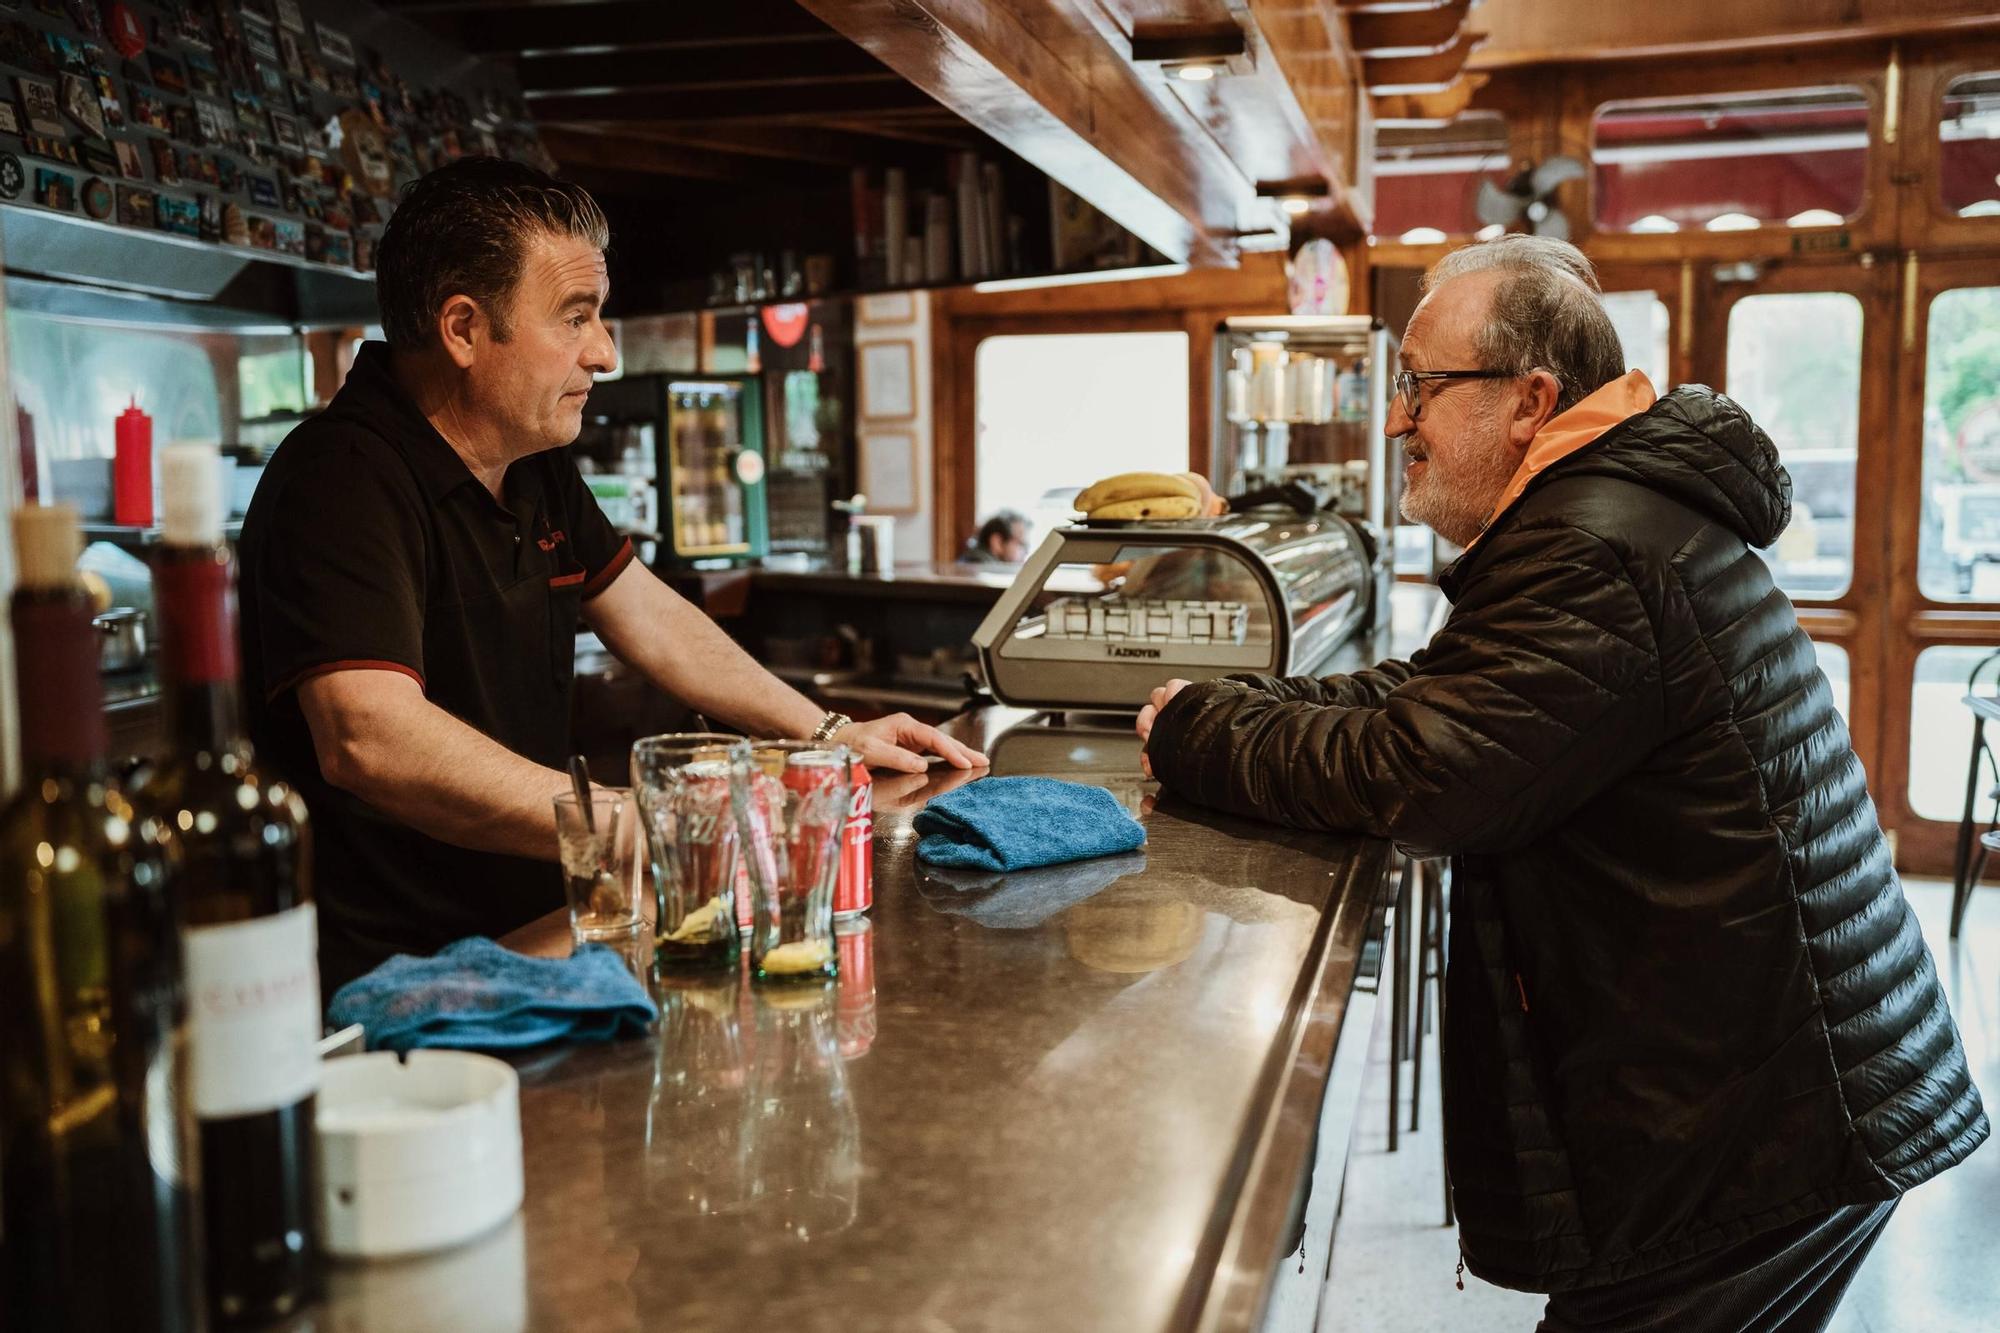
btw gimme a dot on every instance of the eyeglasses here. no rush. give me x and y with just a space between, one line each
1408 380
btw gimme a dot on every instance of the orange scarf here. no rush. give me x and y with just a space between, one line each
1570 431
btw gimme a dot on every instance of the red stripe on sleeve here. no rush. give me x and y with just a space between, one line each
345 664
613 567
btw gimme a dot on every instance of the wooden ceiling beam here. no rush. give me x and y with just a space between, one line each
1043 78
1420 74
1427 110
807 60
586 148
1529 32
1407 31
1311 74
832 143
825 99
621 25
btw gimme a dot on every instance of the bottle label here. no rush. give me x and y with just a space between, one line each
197 602
253 999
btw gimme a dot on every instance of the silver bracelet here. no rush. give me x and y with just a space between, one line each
828 726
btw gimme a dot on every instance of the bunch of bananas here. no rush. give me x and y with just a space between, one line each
1156 496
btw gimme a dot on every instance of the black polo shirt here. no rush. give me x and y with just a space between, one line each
369 543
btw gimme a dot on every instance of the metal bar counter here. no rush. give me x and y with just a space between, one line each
1083 1098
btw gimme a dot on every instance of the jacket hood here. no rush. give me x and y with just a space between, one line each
1700 448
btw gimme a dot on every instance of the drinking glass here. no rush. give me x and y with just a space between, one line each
597 870
681 783
791 805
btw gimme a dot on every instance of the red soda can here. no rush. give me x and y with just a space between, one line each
854 888
854 999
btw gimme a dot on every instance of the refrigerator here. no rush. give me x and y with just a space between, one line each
707 469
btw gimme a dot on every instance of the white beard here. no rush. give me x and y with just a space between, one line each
1457 507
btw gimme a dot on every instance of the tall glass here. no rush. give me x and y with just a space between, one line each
792 804
597 873
682 785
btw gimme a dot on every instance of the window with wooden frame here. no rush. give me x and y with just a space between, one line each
1427 180
1730 162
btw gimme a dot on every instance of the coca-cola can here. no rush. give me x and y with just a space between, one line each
854 1002
854 889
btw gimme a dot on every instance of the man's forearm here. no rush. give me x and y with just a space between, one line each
682 651
423 767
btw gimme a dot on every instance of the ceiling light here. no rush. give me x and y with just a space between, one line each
1815 217
1192 50
1489 231
1655 224
1296 204
1732 222
1422 236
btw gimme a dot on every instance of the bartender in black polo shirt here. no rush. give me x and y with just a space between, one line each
417 561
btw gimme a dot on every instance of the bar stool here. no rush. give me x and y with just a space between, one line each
1967 864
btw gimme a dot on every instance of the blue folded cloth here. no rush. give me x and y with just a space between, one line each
1018 823
476 995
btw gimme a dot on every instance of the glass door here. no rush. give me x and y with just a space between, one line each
1808 349
1944 593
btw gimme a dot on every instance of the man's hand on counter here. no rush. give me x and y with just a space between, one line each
1161 697
900 742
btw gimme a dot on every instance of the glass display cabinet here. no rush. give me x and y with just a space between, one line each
1306 397
1103 612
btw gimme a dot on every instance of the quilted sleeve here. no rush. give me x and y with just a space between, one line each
1356 689
1544 687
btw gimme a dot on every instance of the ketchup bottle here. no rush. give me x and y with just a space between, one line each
132 472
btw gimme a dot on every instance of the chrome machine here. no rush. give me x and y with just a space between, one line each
1103 612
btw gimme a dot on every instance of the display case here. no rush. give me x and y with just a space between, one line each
1102 613
703 478
1306 397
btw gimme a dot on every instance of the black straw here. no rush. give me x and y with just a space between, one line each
579 777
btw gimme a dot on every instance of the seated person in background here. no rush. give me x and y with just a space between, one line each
1001 540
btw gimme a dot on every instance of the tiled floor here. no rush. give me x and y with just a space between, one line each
1935 1270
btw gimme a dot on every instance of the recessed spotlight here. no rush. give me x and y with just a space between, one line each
1195 73
1296 204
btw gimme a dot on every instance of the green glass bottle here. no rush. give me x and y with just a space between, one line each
235 840
98 1201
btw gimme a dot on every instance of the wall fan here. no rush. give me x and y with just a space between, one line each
1530 194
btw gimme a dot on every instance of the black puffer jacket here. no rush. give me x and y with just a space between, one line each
1686 1001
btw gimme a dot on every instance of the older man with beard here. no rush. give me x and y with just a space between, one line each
1694 1047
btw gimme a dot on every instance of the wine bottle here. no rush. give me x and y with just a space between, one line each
239 858
96 1140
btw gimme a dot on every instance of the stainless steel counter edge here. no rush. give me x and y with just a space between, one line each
1280 1158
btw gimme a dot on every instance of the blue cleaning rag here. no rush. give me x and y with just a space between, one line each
478 996
1017 823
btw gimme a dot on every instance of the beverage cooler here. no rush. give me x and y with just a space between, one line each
1306 398
705 469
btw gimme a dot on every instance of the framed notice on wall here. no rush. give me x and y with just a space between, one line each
887 308
889 469
889 380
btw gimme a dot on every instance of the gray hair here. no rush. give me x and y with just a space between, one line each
1547 313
